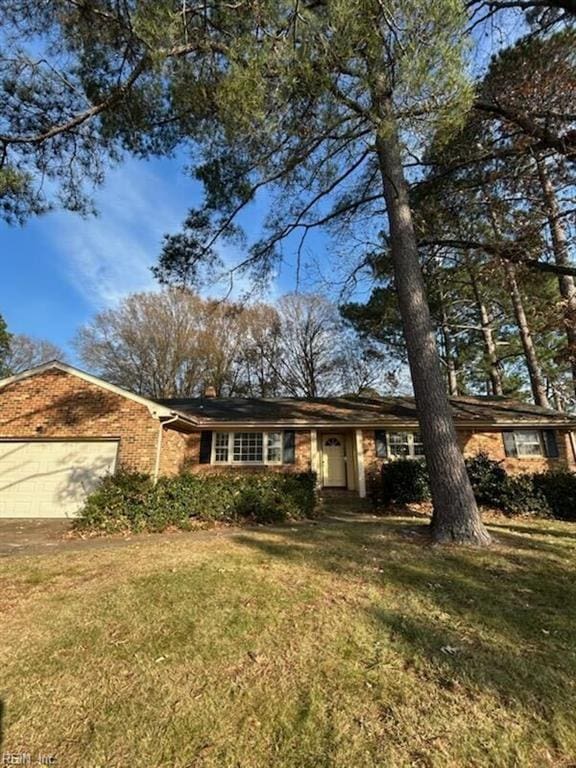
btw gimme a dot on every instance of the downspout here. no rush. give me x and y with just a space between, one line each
159 446
571 437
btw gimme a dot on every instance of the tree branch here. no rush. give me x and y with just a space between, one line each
508 252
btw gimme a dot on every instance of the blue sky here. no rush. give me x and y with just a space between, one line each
61 268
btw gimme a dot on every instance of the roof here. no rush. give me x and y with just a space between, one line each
157 410
361 411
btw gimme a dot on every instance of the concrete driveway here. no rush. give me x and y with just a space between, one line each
19 536
40 537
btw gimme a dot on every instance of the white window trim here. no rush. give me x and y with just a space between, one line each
411 454
231 463
541 455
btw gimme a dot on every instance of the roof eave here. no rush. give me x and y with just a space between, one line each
382 424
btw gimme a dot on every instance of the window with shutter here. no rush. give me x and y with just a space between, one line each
524 443
247 448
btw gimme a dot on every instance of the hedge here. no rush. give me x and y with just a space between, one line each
131 502
405 481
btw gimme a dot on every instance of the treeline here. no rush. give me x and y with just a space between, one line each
174 343
496 225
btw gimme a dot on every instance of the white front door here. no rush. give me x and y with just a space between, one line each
334 461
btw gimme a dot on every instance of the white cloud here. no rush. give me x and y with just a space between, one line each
110 255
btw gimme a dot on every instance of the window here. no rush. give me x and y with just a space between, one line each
247 448
527 443
274 447
405 445
221 448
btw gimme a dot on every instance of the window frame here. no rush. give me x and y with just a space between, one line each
538 432
265 448
410 443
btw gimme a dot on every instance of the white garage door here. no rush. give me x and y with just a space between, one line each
51 478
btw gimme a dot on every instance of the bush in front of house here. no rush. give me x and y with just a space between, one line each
488 478
511 494
519 496
559 491
121 502
130 502
403 481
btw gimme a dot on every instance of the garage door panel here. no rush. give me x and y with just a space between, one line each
51 478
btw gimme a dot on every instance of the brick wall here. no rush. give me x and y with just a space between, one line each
173 451
302 452
490 442
56 404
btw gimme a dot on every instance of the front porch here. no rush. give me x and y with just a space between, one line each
338 459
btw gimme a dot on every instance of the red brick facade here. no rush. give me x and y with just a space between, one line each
488 441
56 404
303 461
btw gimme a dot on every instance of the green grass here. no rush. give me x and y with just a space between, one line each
348 645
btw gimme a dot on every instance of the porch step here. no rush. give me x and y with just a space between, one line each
343 501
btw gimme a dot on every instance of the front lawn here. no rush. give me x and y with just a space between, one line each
347 645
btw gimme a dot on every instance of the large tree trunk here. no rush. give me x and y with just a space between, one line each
455 515
534 372
491 355
561 257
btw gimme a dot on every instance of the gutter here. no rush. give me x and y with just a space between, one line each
383 424
161 426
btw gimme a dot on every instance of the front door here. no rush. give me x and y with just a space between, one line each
334 461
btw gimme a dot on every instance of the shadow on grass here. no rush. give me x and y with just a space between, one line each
499 620
569 534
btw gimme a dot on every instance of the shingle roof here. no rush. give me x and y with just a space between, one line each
350 411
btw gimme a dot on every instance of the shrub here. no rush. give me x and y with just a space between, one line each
520 497
488 478
403 481
559 490
131 502
120 502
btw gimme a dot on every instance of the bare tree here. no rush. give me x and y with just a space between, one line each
261 358
166 344
311 350
26 352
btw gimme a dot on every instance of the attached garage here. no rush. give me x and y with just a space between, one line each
62 429
51 478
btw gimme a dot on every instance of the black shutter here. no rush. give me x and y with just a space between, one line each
509 443
205 447
550 444
289 447
381 444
